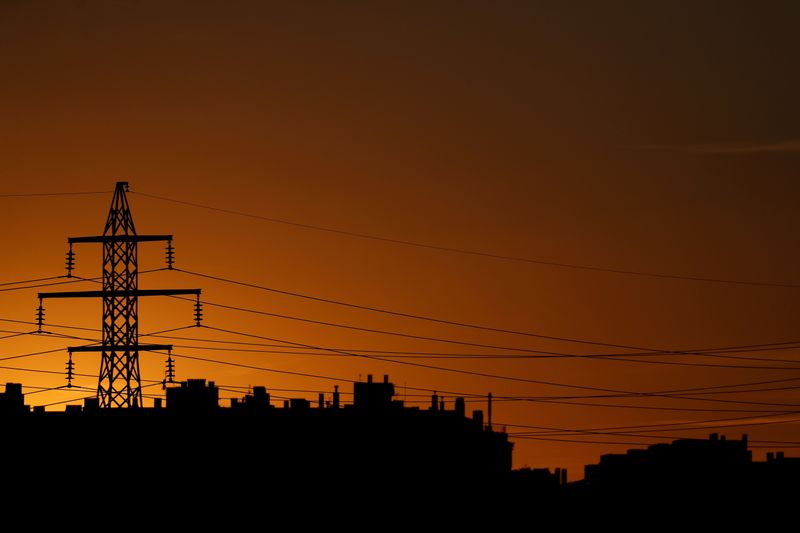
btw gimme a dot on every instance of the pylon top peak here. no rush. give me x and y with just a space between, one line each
120 219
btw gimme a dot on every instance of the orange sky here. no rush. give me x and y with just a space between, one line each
659 139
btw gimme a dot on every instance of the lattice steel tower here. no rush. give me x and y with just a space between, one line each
119 382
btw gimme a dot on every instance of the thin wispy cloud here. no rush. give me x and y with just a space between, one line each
789 145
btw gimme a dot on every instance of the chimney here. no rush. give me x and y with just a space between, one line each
563 476
770 457
285 404
369 378
157 403
744 439
321 401
386 378
336 396
441 404
779 456
713 437
434 402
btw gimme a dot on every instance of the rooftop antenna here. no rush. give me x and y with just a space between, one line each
490 412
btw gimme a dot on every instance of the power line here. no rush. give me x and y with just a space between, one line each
496 357
397 313
318 376
263 369
33 354
606 357
372 330
653 407
17 334
610 357
458 355
679 426
38 194
623 443
464 251
91 343
743 402
617 357
13 331
747 384
88 397
48 325
440 368
332 378
421 365
654 393
510 378
51 284
544 399
64 388
75 279
711 423
566 431
706 365
41 371
626 394
25 281
581 441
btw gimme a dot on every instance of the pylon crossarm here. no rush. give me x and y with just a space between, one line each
119 294
135 347
119 238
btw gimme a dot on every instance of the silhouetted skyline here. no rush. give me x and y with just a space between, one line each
643 138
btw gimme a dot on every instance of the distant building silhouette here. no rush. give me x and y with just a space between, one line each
12 401
676 462
195 396
376 445
376 441
689 472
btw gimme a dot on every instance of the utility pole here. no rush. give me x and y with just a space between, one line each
119 382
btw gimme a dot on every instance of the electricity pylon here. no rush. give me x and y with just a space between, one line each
119 382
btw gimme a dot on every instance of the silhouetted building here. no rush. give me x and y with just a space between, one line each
527 485
12 400
193 396
689 472
371 395
376 442
670 464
